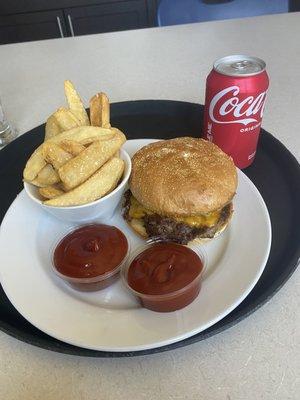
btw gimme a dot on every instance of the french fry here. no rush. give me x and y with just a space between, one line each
82 134
50 192
81 167
34 165
75 103
85 134
55 155
72 147
65 119
79 160
52 128
46 177
97 186
118 134
99 110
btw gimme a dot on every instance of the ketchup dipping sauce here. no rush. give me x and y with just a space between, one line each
164 276
90 257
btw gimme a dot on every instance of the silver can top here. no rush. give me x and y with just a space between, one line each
239 65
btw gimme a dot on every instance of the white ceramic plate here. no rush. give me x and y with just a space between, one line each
112 320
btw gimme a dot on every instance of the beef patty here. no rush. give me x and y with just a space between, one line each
167 228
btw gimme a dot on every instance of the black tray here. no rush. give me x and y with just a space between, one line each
275 172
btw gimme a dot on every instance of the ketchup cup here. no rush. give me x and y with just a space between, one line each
90 257
159 273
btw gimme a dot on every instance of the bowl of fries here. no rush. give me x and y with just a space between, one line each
80 171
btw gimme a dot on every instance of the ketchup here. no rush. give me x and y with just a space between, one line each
90 251
166 275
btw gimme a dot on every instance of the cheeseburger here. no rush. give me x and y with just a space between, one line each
180 190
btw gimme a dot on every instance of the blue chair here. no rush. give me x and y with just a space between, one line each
174 12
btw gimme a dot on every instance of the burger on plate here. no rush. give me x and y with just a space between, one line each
180 190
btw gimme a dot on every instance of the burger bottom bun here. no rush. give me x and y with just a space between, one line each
219 231
138 226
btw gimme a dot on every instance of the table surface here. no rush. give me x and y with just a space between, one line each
260 357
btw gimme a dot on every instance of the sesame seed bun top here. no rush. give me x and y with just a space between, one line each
182 177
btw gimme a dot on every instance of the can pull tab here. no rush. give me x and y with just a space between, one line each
240 65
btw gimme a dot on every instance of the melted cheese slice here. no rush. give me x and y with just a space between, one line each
138 211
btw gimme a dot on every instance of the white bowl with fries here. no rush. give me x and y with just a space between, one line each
101 209
80 171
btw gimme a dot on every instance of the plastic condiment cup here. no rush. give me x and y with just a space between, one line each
170 301
94 283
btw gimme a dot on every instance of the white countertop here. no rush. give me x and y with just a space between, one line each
260 357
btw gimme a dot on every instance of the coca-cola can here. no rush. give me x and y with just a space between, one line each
234 103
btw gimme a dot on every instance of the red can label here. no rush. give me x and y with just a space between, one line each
233 114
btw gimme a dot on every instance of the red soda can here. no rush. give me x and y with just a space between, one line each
234 103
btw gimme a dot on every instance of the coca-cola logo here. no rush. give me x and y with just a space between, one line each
240 110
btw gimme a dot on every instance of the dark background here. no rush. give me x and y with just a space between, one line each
26 20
